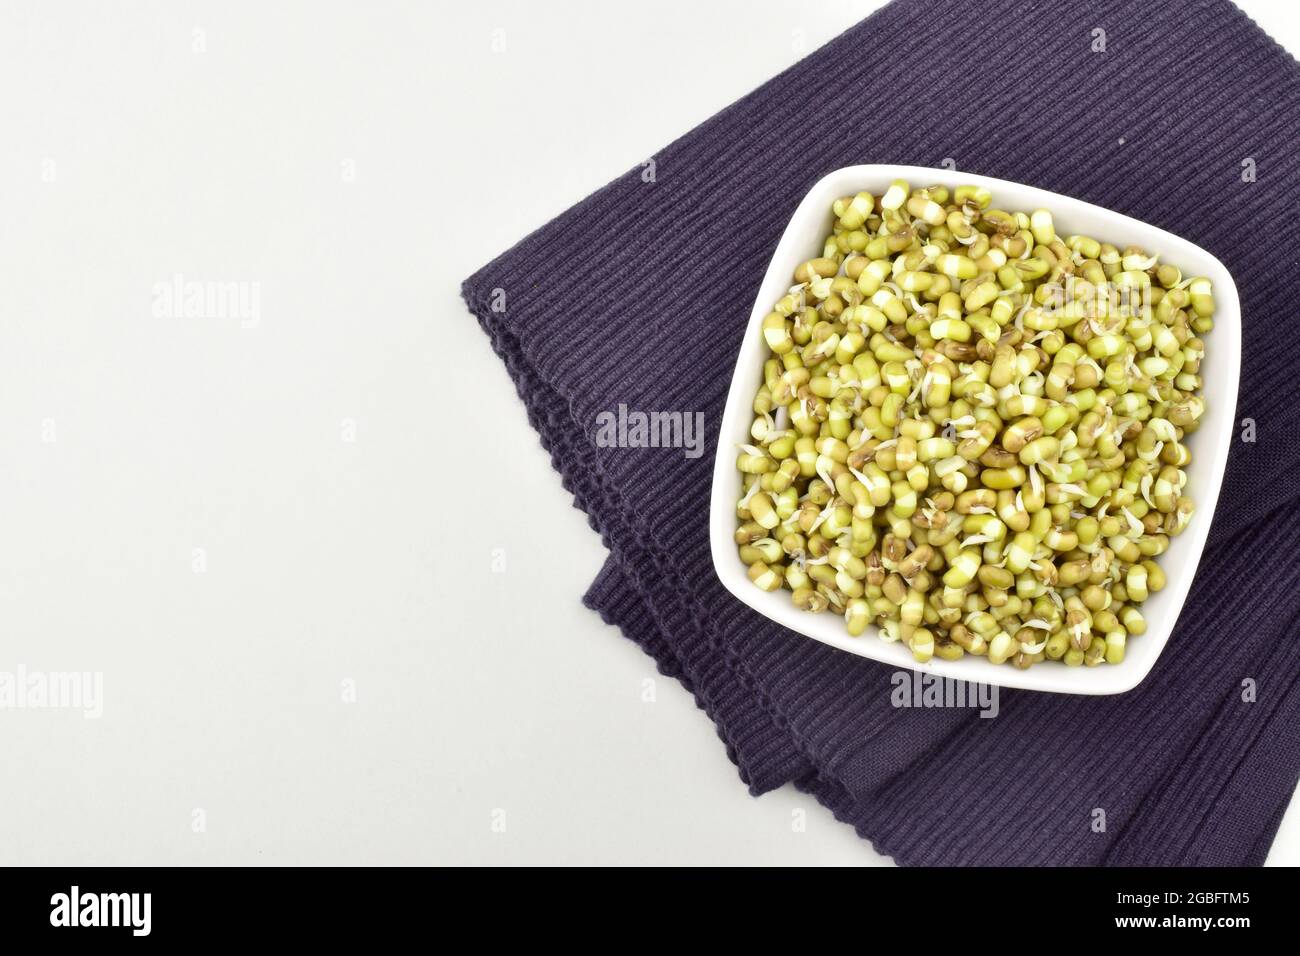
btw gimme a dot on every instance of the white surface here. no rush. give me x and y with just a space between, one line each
811 222
328 561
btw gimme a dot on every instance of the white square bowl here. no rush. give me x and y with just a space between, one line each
1220 371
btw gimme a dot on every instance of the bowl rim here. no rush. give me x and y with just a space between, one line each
1226 345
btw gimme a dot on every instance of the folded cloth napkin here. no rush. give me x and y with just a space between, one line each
639 296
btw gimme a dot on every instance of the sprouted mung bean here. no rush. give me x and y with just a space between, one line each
970 431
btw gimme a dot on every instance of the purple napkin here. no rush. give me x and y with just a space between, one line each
638 297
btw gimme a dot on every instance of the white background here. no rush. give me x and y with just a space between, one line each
355 161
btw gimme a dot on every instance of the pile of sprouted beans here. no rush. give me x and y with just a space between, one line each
971 431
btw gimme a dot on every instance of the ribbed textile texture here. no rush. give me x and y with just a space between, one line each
639 295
